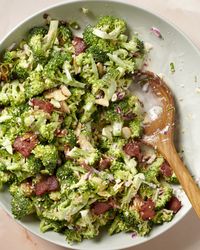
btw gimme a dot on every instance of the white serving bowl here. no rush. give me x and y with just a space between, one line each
176 48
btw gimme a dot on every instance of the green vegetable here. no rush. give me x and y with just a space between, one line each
85 123
48 154
172 67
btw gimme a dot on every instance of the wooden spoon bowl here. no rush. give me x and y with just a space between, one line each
159 133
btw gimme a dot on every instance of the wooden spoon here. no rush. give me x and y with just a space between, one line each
159 133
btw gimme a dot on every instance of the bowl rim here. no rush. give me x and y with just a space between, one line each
131 5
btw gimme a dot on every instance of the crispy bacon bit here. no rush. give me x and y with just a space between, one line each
174 204
44 105
133 149
26 143
47 184
86 166
79 45
166 170
128 117
104 163
147 210
102 207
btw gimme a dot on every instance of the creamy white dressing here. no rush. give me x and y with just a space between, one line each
152 105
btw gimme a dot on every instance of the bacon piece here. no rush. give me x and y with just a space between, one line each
133 149
128 117
147 210
102 207
174 204
104 163
44 105
79 45
26 143
48 184
166 170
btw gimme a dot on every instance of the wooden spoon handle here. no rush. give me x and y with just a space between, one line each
187 182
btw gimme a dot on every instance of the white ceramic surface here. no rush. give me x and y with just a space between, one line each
174 48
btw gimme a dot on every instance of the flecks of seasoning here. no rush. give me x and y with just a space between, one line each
156 32
172 67
182 85
180 99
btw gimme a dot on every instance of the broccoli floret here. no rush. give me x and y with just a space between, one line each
121 60
89 157
131 191
57 71
130 221
134 45
9 56
5 177
165 193
124 110
20 72
47 129
35 41
48 154
41 203
22 168
21 205
34 85
40 41
68 139
16 93
136 127
72 236
64 35
67 174
98 54
171 179
120 172
105 87
89 108
12 93
52 68
48 225
116 149
88 229
87 67
147 191
162 216
97 46
153 170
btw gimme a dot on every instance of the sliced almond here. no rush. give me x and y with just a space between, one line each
126 132
56 94
102 102
78 129
100 69
64 107
65 90
55 103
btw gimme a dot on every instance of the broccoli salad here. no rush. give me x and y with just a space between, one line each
71 149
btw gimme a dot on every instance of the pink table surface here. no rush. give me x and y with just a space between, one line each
183 236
